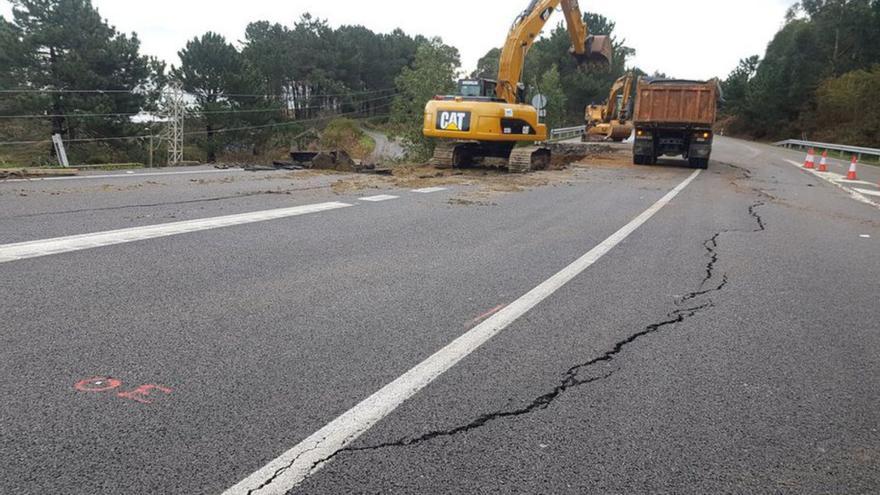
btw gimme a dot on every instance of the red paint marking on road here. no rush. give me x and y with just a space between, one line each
485 315
142 393
98 384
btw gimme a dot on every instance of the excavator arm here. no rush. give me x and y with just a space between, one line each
525 32
612 121
616 109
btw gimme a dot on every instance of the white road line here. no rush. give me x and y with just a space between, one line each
862 182
830 178
377 199
303 460
868 192
124 176
46 247
429 190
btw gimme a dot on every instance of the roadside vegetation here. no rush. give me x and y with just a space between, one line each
346 134
819 78
68 71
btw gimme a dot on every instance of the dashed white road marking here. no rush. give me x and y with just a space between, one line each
303 460
127 175
429 190
830 178
868 192
379 198
58 245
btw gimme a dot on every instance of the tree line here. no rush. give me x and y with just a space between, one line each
819 78
81 78
72 73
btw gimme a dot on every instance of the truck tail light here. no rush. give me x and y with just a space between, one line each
642 133
703 136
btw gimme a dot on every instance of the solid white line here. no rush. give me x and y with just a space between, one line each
830 178
124 176
429 190
377 199
303 460
34 249
862 182
868 192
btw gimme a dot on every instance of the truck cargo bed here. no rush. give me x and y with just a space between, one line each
677 102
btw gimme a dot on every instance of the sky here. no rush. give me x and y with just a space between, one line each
688 39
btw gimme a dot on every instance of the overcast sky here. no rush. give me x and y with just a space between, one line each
694 39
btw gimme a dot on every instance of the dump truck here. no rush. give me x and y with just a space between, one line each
675 118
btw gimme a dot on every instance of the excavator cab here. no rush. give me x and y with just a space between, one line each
477 88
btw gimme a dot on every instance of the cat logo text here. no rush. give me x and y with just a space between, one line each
454 121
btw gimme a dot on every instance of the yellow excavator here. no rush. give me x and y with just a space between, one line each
613 120
487 119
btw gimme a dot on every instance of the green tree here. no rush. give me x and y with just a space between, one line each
68 45
851 103
433 72
222 83
820 41
736 86
550 85
488 65
12 55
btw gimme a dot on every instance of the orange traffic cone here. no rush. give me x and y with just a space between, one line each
823 164
852 169
810 162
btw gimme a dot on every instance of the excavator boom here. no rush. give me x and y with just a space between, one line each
525 31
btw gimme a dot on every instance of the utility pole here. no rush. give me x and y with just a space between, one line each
175 106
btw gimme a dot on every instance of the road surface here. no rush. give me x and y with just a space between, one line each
386 148
622 330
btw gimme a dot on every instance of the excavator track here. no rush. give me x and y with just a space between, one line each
528 159
444 155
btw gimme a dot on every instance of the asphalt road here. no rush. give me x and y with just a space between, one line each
730 344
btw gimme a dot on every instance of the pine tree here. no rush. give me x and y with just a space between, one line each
67 45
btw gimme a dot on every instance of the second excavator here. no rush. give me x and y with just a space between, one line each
488 118
613 120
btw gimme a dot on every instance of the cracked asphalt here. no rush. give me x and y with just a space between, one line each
729 345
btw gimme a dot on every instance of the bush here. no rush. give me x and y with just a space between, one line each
848 110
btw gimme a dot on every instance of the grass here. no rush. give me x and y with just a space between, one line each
367 145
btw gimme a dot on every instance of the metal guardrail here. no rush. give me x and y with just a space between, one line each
856 150
567 133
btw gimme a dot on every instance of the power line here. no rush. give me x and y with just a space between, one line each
196 114
281 124
232 95
193 133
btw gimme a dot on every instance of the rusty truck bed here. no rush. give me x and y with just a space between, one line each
676 102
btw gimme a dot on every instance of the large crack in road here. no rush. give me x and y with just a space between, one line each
687 307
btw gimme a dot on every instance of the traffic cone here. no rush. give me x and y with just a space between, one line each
823 164
852 169
810 162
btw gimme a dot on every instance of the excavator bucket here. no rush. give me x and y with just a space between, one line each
599 51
